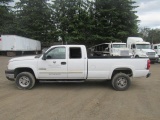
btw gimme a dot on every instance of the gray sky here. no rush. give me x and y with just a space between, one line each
148 13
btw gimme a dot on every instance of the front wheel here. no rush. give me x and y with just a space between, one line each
25 80
121 82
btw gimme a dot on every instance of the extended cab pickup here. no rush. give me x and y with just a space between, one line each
69 63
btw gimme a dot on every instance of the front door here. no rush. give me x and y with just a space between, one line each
55 65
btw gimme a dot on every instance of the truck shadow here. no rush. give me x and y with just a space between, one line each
84 85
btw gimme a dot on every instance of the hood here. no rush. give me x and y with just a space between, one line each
22 58
147 50
120 48
120 51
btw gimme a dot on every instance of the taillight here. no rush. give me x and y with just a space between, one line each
148 64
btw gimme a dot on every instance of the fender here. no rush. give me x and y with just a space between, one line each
24 64
121 67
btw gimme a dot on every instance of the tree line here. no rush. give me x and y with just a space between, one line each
86 22
150 35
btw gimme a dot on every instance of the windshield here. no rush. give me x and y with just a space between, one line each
158 46
143 46
119 45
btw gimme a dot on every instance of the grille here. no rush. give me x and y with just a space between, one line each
124 53
151 54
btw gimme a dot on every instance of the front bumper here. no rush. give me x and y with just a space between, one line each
9 74
148 75
154 59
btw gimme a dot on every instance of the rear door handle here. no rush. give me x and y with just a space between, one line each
63 63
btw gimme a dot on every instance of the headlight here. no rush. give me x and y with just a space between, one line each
156 55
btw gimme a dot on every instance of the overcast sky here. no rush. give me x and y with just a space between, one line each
148 13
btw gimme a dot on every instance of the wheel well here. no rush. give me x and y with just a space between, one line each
19 70
127 71
136 55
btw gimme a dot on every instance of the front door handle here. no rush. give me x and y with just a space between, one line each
63 63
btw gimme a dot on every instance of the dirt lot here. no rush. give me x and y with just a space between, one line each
80 101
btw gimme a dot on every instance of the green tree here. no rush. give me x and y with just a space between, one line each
115 20
150 35
153 36
2 2
143 32
72 20
34 20
77 21
6 18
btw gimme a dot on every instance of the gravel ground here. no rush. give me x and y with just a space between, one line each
81 101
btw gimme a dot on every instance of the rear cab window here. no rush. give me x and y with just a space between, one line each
75 53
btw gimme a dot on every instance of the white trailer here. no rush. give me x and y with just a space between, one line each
16 45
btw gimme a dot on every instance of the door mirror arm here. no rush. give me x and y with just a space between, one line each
44 57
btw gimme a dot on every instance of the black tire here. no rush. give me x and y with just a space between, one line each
121 82
25 80
136 56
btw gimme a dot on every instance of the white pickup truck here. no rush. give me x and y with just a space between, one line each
69 63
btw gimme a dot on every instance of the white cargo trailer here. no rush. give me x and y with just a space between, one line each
17 45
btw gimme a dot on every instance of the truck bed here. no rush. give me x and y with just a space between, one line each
107 57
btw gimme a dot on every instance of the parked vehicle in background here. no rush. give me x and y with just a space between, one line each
139 48
70 63
110 49
156 48
12 45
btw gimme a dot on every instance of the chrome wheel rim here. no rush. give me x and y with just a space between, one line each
122 82
24 81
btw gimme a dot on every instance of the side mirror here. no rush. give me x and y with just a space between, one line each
44 57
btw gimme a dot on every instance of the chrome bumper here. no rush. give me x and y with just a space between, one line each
9 74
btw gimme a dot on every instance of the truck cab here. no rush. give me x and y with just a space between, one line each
140 48
156 48
61 62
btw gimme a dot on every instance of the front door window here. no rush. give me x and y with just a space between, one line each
56 53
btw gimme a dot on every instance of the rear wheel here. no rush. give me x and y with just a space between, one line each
121 82
136 56
25 80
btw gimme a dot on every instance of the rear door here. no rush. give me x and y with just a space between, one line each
77 68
